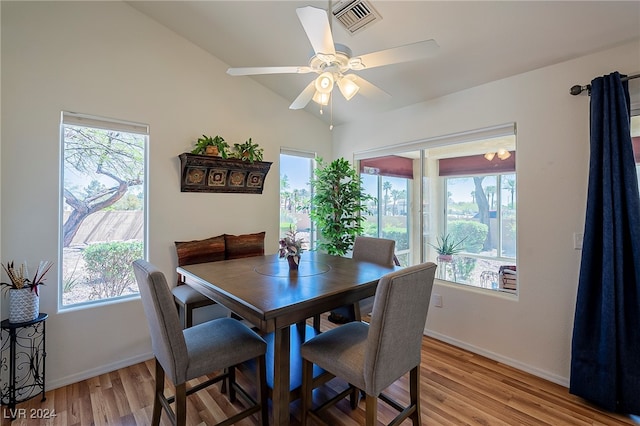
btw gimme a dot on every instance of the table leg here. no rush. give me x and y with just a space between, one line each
281 365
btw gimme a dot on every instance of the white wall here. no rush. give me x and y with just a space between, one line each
534 331
107 59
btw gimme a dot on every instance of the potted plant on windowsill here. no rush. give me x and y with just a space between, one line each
24 300
446 247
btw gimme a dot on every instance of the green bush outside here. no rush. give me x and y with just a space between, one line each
473 233
109 267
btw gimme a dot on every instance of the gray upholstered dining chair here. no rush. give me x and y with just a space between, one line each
370 357
186 354
367 249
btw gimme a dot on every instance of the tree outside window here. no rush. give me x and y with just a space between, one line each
103 221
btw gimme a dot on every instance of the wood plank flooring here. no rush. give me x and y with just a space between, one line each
457 388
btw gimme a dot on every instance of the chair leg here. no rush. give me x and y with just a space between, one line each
181 404
223 384
188 315
159 391
232 382
263 392
414 391
316 323
371 410
357 315
307 389
354 397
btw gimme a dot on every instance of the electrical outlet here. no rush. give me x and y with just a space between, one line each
577 240
437 301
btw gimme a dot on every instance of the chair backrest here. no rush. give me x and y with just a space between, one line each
397 324
200 251
167 338
374 250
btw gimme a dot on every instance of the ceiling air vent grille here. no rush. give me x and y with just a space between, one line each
355 15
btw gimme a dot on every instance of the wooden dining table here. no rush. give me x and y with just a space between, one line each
263 291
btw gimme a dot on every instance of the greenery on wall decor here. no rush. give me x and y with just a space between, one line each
217 142
248 151
338 205
216 146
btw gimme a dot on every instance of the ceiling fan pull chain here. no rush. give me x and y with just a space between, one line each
331 112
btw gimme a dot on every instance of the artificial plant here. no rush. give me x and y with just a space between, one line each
338 205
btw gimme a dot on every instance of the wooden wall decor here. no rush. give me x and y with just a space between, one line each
204 173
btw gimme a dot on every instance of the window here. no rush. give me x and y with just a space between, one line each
483 225
478 185
389 179
296 170
103 221
461 186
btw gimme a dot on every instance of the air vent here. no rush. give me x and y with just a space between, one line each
355 15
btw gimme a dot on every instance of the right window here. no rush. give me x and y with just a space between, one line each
474 240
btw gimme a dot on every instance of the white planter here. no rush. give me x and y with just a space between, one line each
24 305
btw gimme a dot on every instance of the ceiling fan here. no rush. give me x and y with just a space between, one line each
334 62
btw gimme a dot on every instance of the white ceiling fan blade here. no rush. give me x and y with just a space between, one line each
316 24
304 97
268 70
406 53
368 89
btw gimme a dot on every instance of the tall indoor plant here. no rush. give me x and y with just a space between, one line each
338 205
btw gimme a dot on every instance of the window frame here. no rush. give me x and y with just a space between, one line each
313 165
68 118
426 214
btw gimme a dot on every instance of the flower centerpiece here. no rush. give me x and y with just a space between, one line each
24 300
291 247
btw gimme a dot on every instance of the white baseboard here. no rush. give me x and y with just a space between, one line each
562 381
87 374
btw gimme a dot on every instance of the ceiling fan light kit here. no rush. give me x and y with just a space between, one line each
333 62
348 87
324 83
321 98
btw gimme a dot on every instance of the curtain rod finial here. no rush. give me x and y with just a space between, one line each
577 89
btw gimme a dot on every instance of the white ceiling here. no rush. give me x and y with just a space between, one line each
480 41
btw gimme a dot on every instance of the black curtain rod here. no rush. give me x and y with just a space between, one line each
577 89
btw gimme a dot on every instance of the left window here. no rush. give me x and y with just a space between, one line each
103 202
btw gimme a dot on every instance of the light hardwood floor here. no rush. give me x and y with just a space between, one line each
457 388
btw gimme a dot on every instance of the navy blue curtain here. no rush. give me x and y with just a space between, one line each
605 358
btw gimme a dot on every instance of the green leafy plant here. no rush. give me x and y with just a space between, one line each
109 266
217 142
471 232
338 205
248 151
291 244
446 246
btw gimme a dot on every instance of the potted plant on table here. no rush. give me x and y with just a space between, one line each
24 300
291 248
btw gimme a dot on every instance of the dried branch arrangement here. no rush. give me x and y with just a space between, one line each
19 277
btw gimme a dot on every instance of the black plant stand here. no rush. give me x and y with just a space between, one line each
23 355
